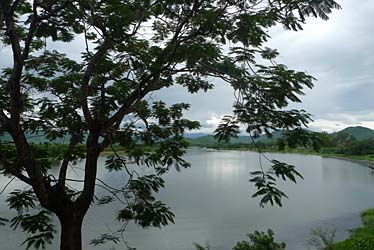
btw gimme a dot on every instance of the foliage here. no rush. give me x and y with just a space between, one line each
342 138
368 217
358 132
365 147
354 148
258 241
361 238
39 226
338 144
322 239
104 238
200 247
130 49
3 221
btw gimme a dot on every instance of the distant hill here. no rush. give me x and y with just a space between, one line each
359 133
194 135
209 139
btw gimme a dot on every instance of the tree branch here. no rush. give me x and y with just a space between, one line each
103 49
141 91
65 162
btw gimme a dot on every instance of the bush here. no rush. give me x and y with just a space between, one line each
365 147
368 217
258 241
362 238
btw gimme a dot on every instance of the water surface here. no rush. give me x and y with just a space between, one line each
212 203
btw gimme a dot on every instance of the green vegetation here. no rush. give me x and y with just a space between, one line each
342 144
360 133
257 241
240 140
361 238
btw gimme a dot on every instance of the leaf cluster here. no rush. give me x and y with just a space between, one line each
265 182
38 225
144 209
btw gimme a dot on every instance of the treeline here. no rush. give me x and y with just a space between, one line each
346 144
342 144
239 146
365 147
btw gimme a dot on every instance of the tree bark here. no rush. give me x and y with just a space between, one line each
71 215
71 231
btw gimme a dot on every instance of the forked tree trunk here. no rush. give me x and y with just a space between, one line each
71 232
71 218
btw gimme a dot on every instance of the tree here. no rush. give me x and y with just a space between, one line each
258 241
130 49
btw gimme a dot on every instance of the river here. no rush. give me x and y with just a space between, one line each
212 203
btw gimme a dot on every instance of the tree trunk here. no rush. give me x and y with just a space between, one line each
71 217
71 232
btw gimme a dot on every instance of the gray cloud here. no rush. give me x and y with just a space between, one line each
339 53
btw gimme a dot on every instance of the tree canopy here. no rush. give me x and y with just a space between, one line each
131 48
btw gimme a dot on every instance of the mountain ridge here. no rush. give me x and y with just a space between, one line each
357 132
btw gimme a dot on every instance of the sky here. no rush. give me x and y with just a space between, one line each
338 52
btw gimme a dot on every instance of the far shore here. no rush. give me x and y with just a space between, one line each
362 160
365 163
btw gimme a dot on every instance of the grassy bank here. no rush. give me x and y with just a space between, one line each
362 159
361 238
367 160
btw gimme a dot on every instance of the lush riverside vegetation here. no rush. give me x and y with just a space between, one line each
356 143
361 238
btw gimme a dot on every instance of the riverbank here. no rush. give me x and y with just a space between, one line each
361 238
367 163
366 160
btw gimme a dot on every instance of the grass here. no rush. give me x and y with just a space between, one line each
361 238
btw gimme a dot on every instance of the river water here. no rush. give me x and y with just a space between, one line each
212 203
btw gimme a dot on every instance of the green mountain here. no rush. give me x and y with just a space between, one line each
359 133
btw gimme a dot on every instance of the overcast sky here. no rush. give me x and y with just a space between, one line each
339 53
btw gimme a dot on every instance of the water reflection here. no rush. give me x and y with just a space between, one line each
220 168
212 202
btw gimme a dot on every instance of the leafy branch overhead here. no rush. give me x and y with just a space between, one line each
101 96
